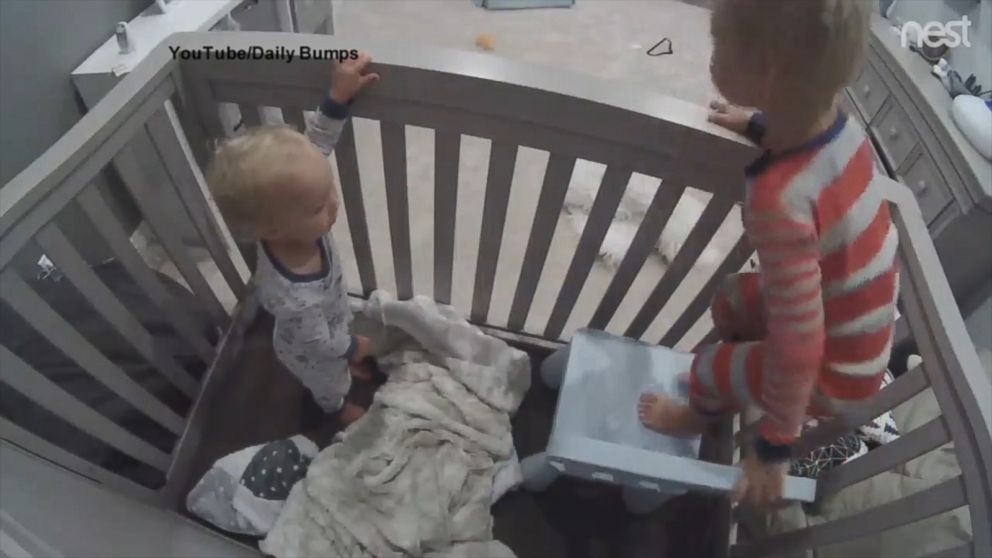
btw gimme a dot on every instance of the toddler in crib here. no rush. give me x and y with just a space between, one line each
813 330
274 185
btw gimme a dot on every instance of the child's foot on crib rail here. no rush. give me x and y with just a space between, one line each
666 415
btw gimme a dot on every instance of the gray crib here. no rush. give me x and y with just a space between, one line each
174 105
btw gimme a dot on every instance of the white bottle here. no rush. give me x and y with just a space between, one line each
124 41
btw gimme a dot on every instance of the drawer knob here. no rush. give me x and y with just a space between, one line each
921 186
893 133
867 90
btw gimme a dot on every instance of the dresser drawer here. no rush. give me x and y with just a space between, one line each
869 92
896 135
847 105
930 190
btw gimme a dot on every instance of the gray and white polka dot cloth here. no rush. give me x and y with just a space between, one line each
245 491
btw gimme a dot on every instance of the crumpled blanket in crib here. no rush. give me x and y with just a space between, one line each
414 476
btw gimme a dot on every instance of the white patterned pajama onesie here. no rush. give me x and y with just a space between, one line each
311 311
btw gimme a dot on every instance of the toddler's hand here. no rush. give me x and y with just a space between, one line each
363 348
349 77
731 117
762 483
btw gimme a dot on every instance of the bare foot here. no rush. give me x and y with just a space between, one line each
668 416
350 413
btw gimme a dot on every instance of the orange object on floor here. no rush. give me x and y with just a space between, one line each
485 41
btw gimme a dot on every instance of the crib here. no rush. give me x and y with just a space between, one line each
179 105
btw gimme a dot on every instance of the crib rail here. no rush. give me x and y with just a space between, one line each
33 209
496 249
457 94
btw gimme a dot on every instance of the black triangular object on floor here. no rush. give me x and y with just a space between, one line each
661 48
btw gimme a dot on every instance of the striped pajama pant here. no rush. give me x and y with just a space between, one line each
728 376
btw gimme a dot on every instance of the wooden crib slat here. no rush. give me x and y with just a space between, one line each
202 100
48 191
735 259
557 176
250 116
908 446
604 207
351 192
163 224
932 501
641 246
397 204
447 149
170 141
67 259
194 132
293 116
710 220
93 205
712 336
36 312
46 393
502 159
47 450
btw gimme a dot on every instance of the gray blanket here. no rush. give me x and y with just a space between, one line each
414 476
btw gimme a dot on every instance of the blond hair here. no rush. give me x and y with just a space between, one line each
244 171
816 46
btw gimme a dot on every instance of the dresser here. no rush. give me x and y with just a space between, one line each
907 114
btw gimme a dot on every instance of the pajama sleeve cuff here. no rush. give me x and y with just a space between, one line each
333 109
755 130
352 348
767 452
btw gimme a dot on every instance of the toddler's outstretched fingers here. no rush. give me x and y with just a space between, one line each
721 118
718 105
362 61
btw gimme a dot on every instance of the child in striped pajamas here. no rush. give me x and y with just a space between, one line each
812 331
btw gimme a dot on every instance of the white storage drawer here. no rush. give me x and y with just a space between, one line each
928 186
896 135
870 92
